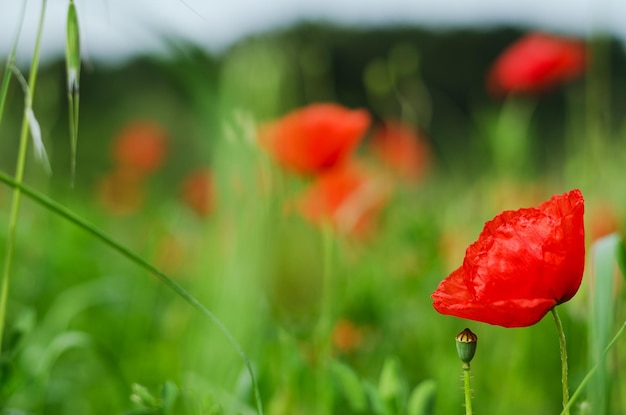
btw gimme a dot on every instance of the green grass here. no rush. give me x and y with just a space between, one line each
88 333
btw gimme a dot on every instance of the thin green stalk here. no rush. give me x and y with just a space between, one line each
67 214
563 347
4 89
591 372
467 388
19 176
322 340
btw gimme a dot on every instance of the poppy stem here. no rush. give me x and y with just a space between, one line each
467 388
563 347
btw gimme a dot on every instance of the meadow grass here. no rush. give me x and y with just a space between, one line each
264 290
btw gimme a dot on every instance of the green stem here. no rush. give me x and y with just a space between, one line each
467 388
324 325
592 371
19 176
563 347
70 216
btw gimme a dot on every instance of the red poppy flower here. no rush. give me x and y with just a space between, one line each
536 63
315 138
402 149
197 192
524 263
140 146
348 197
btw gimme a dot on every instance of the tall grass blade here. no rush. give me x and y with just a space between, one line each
19 175
604 257
72 63
67 214
4 88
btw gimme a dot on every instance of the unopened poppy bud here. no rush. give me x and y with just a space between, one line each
466 345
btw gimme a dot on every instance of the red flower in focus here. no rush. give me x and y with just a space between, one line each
140 146
347 197
402 148
315 138
524 263
536 63
197 192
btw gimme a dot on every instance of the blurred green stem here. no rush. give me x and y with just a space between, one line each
324 325
563 347
591 372
19 176
67 214
467 388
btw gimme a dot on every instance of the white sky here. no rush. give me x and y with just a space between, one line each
117 29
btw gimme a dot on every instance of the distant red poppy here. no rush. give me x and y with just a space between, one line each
523 264
197 192
348 198
315 138
346 336
402 148
603 220
140 146
536 63
121 192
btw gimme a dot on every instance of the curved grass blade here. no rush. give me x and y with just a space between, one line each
606 254
67 214
604 267
19 175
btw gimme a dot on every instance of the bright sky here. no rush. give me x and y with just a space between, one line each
117 29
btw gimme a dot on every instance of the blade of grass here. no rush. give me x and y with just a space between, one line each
67 214
4 89
19 175
604 262
72 63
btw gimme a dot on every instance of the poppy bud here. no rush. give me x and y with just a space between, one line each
466 345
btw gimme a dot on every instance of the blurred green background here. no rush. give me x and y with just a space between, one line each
85 324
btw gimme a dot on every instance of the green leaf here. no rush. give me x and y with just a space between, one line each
391 385
422 400
351 385
169 396
604 259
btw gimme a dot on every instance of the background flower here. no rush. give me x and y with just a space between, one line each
536 63
140 146
348 197
315 138
403 149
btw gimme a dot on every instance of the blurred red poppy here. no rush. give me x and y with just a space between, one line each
315 138
348 198
536 63
346 336
140 146
197 192
403 149
603 220
121 192
524 263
